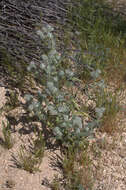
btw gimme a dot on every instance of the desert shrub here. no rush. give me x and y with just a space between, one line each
53 105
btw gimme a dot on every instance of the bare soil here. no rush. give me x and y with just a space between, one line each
109 158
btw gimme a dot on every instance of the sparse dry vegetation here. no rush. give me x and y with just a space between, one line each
7 141
86 56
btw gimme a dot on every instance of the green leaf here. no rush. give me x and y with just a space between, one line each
77 122
63 109
28 97
99 112
52 110
57 132
45 58
40 33
42 66
69 73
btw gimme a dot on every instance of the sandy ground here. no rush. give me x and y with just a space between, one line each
109 167
21 179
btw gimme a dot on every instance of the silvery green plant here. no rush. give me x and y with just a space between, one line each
53 105
94 89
